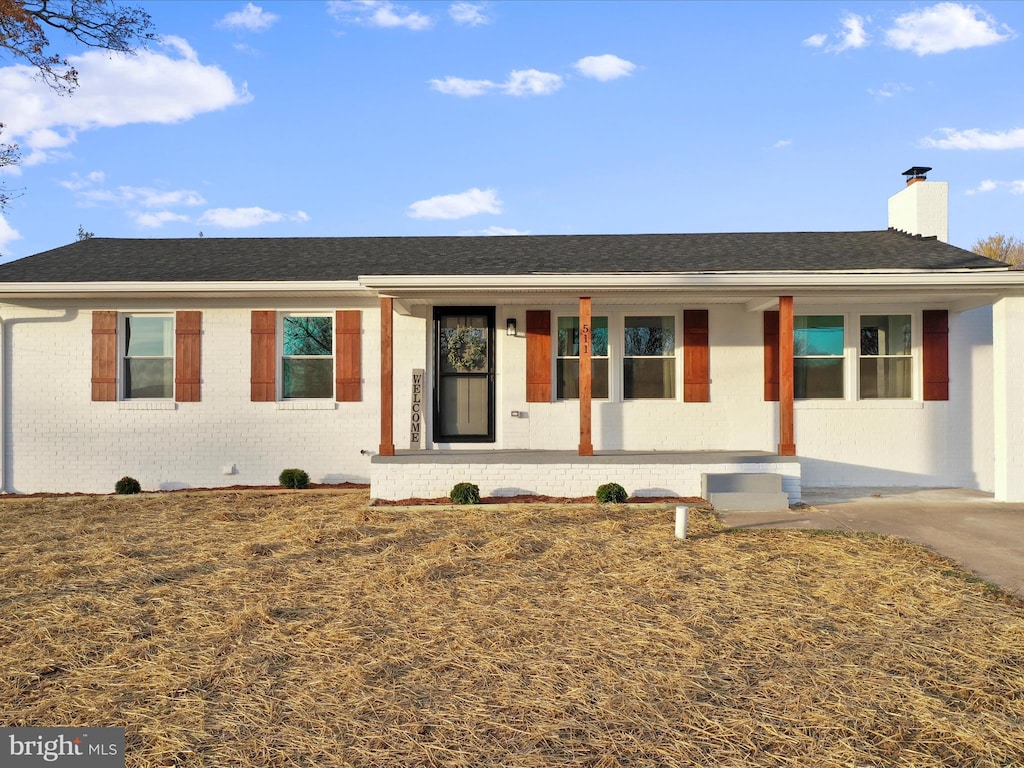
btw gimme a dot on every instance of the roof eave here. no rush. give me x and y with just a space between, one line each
191 289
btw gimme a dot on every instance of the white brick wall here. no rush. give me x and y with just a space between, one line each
57 440
402 480
1008 404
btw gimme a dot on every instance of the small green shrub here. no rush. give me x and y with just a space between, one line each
294 478
465 493
611 493
127 485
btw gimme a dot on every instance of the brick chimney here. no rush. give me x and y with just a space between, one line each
921 207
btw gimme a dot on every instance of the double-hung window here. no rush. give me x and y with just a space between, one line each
818 356
148 358
307 356
649 357
885 356
567 361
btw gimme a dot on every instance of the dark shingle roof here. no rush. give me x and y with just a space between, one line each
345 258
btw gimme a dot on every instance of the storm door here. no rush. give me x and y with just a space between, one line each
464 374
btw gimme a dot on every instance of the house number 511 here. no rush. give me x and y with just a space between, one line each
585 337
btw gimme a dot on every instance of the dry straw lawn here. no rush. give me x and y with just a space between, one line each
309 629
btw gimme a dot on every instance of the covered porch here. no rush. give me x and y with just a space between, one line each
431 474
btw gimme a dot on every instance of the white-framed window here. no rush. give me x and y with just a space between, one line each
567 357
819 357
147 356
649 357
307 356
886 362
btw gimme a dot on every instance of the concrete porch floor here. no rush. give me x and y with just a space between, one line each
485 456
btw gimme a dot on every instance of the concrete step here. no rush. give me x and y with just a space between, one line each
740 482
748 502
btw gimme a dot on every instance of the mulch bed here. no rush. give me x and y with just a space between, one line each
536 499
287 630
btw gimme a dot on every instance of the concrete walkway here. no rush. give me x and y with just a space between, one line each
981 535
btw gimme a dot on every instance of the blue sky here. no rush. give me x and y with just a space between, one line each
438 118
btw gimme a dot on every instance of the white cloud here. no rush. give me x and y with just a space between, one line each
468 203
252 18
988 185
90 190
158 219
492 232
239 218
77 182
854 34
8 234
816 41
114 90
974 138
378 13
782 144
531 82
890 90
457 86
471 14
945 27
521 82
605 67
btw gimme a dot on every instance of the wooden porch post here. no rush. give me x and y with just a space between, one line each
586 337
387 378
787 445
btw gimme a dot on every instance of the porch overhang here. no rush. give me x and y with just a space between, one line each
964 288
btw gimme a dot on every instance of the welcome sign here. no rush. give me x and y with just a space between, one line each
416 425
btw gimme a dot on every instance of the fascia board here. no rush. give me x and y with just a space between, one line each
998 280
212 289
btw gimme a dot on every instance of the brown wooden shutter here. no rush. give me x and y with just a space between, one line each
538 356
104 356
348 350
935 354
771 355
696 357
187 355
264 356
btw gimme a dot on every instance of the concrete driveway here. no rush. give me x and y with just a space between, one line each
981 535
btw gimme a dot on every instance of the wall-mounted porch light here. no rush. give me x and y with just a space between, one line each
510 326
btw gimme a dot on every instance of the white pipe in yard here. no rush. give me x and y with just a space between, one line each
682 518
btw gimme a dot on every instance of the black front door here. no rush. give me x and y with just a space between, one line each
464 374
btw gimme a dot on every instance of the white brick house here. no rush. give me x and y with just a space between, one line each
834 358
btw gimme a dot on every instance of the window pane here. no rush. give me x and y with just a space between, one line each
649 377
568 336
599 336
148 377
885 377
818 335
567 372
308 336
307 377
817 377
885 335
650 336
149 336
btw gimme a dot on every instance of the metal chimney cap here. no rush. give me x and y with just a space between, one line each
917 170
